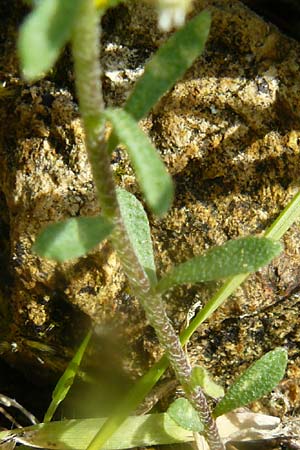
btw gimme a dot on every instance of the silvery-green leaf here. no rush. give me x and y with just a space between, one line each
182 412
234 257
137 225
168 65
43 35
71 238
154 180
258 380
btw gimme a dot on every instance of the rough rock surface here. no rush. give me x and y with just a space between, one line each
229 134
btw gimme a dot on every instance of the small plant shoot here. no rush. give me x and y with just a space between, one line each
201 377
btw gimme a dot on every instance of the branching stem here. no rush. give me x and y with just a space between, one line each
86 54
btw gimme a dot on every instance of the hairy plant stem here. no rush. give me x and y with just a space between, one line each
86 54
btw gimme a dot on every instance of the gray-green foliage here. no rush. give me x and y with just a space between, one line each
42 37
255 382
237 256
71 238
153 178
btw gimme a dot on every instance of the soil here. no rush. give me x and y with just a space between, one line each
228 133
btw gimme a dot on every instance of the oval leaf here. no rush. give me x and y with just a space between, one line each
201 377
234 257
151 173
43 35
71 238
168 65
257 381
182 412
137 226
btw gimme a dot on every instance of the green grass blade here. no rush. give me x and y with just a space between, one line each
71 238
137 431
43 35
154 180
232 258
168 65
66 380
137 226
258 380
144 385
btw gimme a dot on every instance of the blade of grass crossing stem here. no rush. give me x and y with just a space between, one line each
43 35
168 65
66 380
154 180
144 385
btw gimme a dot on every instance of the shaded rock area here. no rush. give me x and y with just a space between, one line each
228 133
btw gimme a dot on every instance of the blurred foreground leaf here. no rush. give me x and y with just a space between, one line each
137 431
71 238
43 35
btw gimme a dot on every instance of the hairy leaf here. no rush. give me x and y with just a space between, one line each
43 35
136 223
168 65
71 238
182 412
237 256
257 381
151 173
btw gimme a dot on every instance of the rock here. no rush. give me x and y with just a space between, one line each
229 134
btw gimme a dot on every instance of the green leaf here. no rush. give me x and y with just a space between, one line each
234 257
71 238
182 412
168 65
137 226
43 35
257 381
66 380
137 431
201 377
151 173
